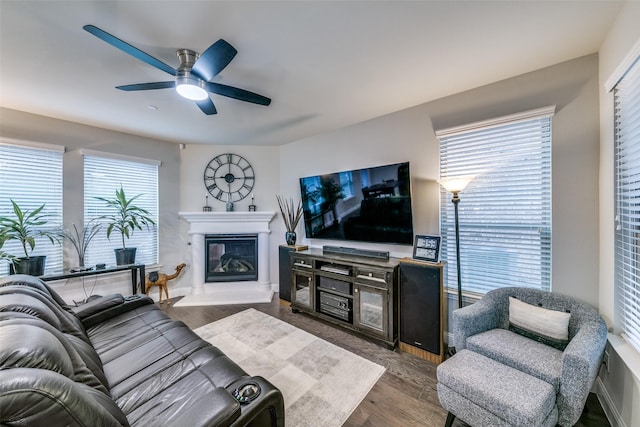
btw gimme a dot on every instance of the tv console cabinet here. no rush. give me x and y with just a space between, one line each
355 292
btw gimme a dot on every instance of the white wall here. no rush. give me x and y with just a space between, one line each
620 388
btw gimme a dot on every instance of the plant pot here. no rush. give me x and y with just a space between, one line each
290 237
33 266
125 256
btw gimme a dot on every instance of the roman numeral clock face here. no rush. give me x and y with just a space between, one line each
229 177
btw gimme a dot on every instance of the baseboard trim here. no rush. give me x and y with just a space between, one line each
608 407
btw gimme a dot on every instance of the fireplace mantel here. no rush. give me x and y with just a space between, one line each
228 222
204 223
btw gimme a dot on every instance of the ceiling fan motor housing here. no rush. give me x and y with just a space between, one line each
187 84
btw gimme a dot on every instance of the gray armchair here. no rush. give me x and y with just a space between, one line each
560 379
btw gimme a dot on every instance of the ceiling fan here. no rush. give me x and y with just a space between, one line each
193 75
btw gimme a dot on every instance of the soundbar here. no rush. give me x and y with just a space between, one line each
342 250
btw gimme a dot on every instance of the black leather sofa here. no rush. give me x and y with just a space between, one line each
116 362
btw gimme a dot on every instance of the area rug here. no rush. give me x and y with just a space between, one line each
322 383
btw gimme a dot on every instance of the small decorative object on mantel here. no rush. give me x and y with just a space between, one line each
291 217
229 203
252 207
206 207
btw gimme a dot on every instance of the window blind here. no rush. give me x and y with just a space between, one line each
102 177
627 203
31 175
505 212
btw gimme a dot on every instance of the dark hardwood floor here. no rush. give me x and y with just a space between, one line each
406 393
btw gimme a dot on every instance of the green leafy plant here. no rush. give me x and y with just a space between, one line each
3 255
126 217
24 226
80 241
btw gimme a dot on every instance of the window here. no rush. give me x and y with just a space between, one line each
627 203
30 175
103 175
505 212
346 182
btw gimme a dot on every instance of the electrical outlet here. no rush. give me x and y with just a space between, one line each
605 360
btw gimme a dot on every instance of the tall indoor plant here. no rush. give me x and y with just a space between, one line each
125 219
25 226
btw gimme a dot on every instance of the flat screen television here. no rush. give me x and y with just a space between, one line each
367 205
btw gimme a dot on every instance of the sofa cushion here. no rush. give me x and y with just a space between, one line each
516 351
549 327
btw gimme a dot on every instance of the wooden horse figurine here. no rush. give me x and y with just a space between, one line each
160 280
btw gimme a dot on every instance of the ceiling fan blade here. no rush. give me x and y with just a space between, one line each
207 107
147 86
237 93
131 50
213 60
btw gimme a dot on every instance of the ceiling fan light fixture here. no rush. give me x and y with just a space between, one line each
191 87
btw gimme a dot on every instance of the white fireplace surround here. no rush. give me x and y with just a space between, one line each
245 292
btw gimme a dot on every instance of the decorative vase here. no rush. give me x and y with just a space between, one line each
33 266
125 256
290 237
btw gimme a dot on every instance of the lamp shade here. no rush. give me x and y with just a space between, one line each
455 184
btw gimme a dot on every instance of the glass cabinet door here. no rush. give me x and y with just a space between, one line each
370 308
301 289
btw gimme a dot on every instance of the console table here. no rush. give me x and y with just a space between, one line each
136 270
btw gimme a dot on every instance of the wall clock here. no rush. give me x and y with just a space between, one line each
229 177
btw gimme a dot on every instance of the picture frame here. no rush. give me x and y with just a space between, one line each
426 248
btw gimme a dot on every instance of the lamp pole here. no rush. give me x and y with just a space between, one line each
455 200
455 185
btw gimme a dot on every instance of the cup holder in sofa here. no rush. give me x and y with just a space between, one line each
247 392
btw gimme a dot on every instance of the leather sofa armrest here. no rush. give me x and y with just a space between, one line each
128 303
97 305
216 408
266 410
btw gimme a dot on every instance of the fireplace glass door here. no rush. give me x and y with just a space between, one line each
231 258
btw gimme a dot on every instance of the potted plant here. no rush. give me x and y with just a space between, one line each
125 219
80 241
291 216
24 226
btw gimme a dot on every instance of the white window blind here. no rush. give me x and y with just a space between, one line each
627 203
102 177
30 175
505 212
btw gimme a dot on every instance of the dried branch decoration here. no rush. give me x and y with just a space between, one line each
290 215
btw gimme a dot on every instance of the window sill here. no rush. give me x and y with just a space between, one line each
629 355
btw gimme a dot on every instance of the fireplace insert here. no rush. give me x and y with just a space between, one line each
231 258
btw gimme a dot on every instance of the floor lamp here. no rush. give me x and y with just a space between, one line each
455 185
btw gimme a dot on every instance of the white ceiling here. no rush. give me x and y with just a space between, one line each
324 64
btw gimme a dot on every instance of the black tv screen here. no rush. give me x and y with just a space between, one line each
367 205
